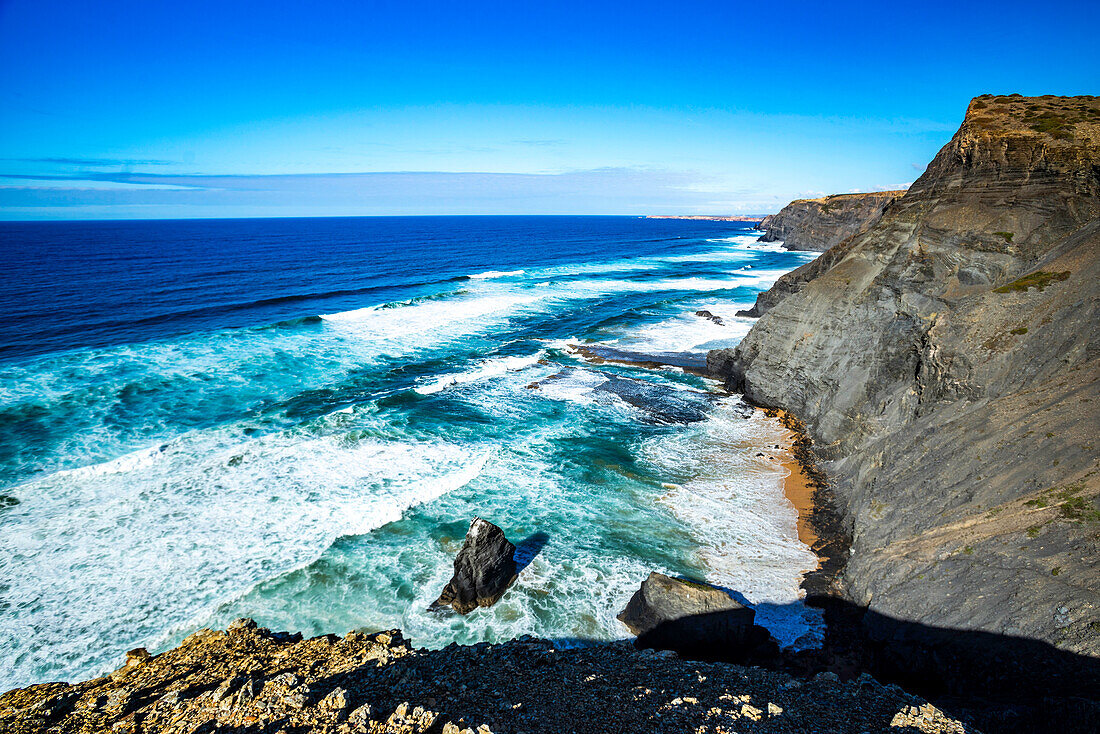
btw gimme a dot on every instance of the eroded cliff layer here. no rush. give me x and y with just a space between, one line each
818 224
946 364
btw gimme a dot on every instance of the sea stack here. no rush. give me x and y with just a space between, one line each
484 569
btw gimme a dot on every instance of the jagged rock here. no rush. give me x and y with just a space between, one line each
709 316
243 623
336 700
484 569
688 617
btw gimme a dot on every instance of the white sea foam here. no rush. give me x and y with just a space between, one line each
758 278
711 256
744 526
555 272
484 370
751 242
688 332
493 274
574 386
429 322
591 288
112 557
133 461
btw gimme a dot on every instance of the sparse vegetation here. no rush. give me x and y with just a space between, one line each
1007 235
1040 279
1033 531
968 550
1071 505
1056 570
1019 330
1054 125
1078 509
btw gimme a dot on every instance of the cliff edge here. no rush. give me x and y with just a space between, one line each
818 224
945 363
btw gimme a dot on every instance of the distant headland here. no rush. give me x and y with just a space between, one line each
708 217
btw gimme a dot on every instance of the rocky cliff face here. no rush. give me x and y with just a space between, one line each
946 362
818 224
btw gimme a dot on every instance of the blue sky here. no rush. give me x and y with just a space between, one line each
116 109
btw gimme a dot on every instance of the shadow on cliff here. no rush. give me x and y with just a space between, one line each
997 682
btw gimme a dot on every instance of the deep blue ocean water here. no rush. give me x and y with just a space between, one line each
296 419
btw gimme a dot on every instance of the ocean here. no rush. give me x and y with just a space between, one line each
295 420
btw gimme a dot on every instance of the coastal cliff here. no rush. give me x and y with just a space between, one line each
946 364
818 224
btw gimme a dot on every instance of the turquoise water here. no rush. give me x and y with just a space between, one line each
317 472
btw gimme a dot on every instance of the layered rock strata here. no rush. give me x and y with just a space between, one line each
818 224
946 364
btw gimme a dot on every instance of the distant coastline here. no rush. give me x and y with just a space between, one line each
707 217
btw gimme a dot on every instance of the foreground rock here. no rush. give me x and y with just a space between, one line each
250 680
947 364
688 617
484 569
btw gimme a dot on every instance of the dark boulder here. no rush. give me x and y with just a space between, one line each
691 618
484 569
708 315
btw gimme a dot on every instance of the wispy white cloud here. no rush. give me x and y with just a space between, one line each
95 162
595 191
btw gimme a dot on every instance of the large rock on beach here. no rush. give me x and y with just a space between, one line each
689 617
484 569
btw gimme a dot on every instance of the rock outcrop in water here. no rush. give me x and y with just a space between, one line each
818 224
484 569
690 617
253 681
946 363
